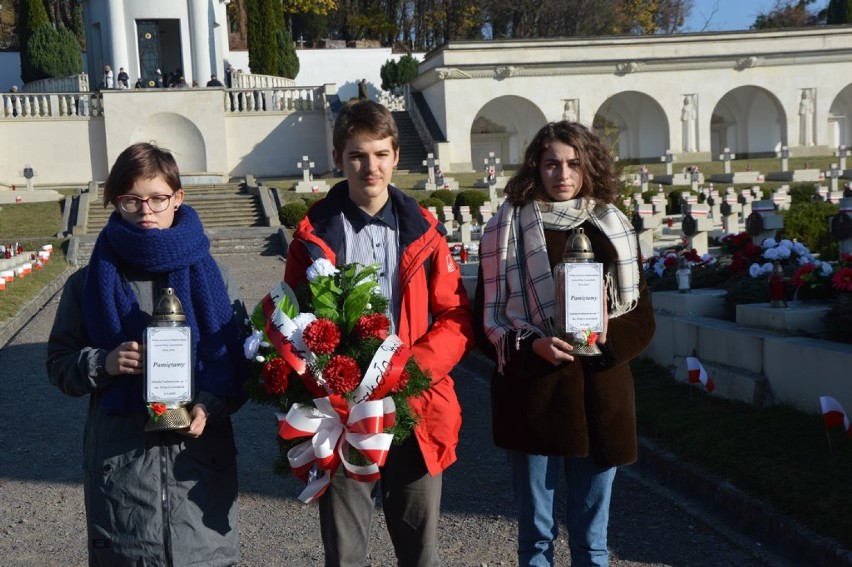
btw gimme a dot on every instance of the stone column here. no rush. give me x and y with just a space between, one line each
199 34
115 54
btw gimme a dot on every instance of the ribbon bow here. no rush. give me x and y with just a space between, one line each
334 426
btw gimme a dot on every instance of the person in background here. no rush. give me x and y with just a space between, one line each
552 411
139 84
214 82
362 90
123 79
107 82
152 497
365 219
158 81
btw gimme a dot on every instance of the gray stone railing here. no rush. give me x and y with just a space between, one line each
417 118
72 84
50 105
251 81
276 99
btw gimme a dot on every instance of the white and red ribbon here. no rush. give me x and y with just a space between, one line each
279 328
334 426
833 414
696 373
384 371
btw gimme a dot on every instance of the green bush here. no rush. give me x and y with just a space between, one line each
51 53
291 213
437 203
445 196
288 60
807 222
472 199
802 193
397 73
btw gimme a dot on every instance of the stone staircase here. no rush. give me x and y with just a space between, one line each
233 220
412 153
219 206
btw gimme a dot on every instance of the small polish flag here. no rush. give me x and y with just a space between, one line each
833 414
698 374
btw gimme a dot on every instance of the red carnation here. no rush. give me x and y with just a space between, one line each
372 326
800 277
403 382
842 280
321 336
342 374
274 374
670 261
752 250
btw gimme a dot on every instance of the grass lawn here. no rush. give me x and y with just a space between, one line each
778 455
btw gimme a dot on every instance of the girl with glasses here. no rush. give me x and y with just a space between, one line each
156 497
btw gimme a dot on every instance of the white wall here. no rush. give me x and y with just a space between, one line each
342 67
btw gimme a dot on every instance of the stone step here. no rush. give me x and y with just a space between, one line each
227 240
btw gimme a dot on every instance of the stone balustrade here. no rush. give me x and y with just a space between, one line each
50 105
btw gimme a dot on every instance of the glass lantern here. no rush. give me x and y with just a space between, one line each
777 285
169 382
579 295
684 276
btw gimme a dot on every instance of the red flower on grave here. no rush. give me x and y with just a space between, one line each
800 278
842 279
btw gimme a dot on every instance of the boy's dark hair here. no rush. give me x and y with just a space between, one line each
596 164
367 118
140 161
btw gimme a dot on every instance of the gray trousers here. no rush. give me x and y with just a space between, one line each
411 500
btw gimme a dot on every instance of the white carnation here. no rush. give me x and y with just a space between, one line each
320 267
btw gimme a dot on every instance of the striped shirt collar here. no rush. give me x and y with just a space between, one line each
358 218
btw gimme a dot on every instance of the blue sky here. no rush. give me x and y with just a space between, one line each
728 14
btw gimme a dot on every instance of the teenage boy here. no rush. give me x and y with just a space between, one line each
367 220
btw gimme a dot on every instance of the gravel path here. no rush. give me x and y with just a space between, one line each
42 521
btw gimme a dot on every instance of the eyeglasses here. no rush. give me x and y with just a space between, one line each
133 204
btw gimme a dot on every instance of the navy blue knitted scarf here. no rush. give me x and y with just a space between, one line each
112 314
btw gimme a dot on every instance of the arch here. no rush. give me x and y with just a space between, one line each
634 125
175 133
504 125
840 119
749 120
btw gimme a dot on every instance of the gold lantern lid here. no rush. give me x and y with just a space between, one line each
578 247
169 307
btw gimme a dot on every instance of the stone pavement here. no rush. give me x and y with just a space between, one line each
42 520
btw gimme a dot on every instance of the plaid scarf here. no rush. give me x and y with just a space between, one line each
519 292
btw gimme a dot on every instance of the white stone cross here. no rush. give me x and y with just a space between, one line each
668 158
833 174
305 165
727 156
784 154
491 163
842 153
431 164
28 173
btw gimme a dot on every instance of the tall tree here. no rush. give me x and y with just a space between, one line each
31 16
839 12
262 45
787 14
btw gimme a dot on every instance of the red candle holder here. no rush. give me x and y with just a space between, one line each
777 286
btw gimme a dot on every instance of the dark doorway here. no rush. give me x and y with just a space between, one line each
159 48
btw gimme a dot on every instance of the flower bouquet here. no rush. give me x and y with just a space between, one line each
324 356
